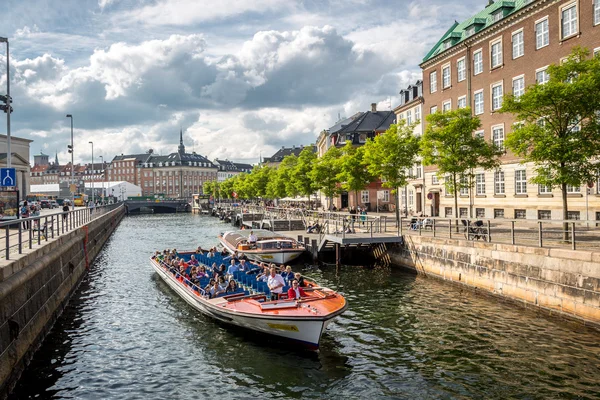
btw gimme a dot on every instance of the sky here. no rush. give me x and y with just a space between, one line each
242 78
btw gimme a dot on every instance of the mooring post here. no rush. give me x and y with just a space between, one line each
338 254
315 249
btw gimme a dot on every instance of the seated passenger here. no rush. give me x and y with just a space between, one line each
295 292
211 283
232 268
243 267
287 274
231 287
193 260
300 279
215 290
312 228
224 253
252 239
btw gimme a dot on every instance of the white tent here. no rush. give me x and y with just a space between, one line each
49 189
119 189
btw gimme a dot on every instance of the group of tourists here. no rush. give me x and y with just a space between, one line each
221 277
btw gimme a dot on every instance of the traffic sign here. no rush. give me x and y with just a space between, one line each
8 177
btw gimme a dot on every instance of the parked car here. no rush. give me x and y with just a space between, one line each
45 203
54 204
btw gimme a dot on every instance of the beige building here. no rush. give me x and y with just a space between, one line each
504 48
19 148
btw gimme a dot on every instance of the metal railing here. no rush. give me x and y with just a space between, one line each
25 233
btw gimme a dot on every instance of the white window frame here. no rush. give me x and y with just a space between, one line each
446 76
461 102
434 179
518 46
573 189
461 69
496 98
433 110
447 106
417 113
542 37
499 182
497 15
480 184
478 62
545 71
597 49
433 81
480 133
571 24
498 140
496 60
408 117
386 196
520 181
481 103
521 90
596 11
464 190
364 196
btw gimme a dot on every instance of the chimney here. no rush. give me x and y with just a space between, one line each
490 2
373 107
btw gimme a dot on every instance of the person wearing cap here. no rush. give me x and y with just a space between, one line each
295 292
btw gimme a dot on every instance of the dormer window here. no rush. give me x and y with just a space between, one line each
447 44
497 16
470 31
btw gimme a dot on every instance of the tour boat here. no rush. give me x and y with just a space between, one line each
270 246
302 320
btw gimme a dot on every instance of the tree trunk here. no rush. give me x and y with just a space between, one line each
563 188
356 198
398 207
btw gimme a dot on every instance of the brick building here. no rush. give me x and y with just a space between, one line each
504 48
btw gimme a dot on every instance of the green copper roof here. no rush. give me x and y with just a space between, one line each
458 32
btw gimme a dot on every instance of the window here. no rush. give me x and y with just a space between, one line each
479 102
498 213
463 212
433 110
411 198
497 96
470 31
573 189
362 138
542 76
520 214
518 45
448 211
446 80
464 186
386 196
521 182
544 189
499 182
342 139
480 184
462 102
446 106
364 196
497 16
461 69
435 180
518 88
596 12
419 170
498 137
409 117
480 133
433 82
544 214
496 54
569 21
477 62
480 212
597 51
400 117
418 113
542 35
573 215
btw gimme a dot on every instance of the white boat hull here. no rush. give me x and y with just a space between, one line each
307 331
281 257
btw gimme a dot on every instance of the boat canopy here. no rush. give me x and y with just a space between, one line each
237 237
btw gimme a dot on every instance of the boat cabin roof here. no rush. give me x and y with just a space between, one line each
262 235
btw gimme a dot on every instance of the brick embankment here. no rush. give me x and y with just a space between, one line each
35 289
565 282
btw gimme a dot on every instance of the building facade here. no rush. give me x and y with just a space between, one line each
227 169
503 49
19 148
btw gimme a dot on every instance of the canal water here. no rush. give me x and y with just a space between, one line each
126 335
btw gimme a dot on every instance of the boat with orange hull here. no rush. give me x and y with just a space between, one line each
303 320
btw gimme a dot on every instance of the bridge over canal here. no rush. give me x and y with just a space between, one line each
157 206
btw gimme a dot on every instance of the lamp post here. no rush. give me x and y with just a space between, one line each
8 101
71 150
102 169
93 197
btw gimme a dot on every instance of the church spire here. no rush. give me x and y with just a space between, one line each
181 148
56 159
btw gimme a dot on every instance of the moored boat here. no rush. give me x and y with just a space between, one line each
269 247
302 320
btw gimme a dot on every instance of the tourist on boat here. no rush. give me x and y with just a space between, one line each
287 274
193 260
201 273
232 268
210 253
211 283
300 279
231 287
199 250
243 266
222 270
256 270
295 292
275 283
252 239
215 290
222 283
224 253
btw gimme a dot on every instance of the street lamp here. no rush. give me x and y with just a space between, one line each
102 170
93 197
8 107
72 163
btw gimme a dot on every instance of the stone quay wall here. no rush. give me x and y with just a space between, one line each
565 282
35 289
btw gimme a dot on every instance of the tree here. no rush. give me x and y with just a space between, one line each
449 144
227 188
325 172
389 155
302 181
354 173
260 176
559 128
